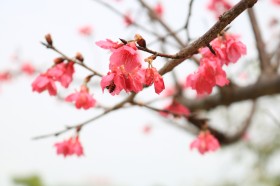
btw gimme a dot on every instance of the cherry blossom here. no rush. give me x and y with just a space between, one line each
70 147
82 98
152 76
44 82
159 9
109 44
228 49
125 68
277 2
205 142
62 72
209 74
176 109
234 50
28 68
118 80
125 57
218 7
5 76
86 30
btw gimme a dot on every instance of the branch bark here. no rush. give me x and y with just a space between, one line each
211 34
232 94
263 57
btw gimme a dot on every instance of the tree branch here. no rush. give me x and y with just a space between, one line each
232 94
211 34
263 57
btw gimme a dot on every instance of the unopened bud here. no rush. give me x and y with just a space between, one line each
140 40
58 60
79 57
48 38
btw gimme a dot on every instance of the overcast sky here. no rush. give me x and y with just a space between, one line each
115 147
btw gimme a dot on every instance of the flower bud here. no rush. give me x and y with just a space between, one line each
79 57
139 40
48 38
58 60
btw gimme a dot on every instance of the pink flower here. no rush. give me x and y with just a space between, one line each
234 50
44 82
125 68
86 30
125 57
28 68
228 49
82 99
277 2
159 9
117 80
109 44
70 147
62 72
205 142
209 74
152 76
176 109
218 7
5 76
128 19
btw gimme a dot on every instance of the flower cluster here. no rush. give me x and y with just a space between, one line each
226 49
82 98
70 147
126 72
62 73
205 142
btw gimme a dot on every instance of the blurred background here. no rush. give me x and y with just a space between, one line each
131 147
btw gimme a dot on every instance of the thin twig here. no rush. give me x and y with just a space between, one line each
76 61
68 128
188 21
263 57
159 20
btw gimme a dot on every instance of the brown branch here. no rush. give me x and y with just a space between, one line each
224 138
232 94
76 61
263 57
211 34
68 128
171 56
188 20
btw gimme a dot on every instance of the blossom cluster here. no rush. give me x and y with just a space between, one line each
226 49
62 73
71 146
126 72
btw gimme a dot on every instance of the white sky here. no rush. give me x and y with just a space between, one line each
115 147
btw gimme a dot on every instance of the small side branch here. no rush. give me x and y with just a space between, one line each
263 57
